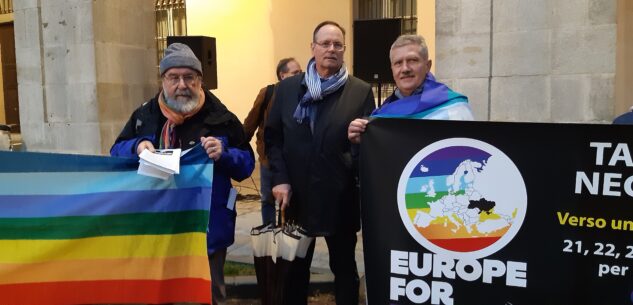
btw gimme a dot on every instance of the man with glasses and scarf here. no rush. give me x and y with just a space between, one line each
310 157
183 114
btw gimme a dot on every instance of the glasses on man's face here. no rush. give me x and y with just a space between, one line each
327 44
174 79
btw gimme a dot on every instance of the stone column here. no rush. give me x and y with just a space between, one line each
542 61
82 67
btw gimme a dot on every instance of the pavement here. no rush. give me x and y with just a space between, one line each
249 216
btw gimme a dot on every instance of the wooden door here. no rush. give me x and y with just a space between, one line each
9 74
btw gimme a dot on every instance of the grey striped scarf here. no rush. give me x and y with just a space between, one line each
317 90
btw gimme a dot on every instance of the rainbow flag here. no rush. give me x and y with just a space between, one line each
429 103
436 193
90 230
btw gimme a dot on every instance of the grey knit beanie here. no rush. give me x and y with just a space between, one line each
178 55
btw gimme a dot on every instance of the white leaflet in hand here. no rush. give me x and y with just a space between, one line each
167 160
148 169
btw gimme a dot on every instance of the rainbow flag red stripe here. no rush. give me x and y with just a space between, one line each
465 244
90 230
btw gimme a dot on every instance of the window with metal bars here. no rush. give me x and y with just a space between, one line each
171 20
385 9
6 6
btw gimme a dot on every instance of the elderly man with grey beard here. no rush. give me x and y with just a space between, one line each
182 115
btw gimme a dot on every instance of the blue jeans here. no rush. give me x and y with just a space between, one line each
266 189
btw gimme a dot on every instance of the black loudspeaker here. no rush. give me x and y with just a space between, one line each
372 40
204 48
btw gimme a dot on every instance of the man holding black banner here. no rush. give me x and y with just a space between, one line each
418 95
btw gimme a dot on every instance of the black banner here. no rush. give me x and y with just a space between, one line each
488 213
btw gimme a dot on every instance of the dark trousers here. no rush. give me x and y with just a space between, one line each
341 248
218 288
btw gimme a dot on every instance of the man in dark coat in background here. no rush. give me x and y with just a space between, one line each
256 120
310 157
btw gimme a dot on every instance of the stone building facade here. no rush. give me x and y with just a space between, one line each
536 61
84 65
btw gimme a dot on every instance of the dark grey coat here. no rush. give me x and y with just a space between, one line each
318 166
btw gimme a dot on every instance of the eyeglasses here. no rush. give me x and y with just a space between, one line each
327 44
174 79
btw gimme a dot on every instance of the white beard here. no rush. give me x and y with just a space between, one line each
181 107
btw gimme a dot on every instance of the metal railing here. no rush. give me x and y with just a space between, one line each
6 6
386 9
9 139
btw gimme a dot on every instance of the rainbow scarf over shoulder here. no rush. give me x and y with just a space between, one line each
90 230
435 95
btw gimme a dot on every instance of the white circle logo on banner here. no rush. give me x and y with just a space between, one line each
462 198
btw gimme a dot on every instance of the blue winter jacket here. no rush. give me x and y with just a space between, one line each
237 160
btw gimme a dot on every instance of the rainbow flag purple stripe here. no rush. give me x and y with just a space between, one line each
435 95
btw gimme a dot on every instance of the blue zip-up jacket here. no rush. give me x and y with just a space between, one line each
214 119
